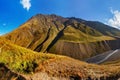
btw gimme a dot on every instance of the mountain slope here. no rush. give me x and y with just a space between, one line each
102 28
29 65
105 29
51 33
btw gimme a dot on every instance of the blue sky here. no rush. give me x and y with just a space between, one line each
15 12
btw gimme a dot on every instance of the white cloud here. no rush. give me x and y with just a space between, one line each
115 20
26 4
4 24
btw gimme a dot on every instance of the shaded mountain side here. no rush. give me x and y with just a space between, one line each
42 32
114 44
102 28
105 29
79 50
83 50
109 56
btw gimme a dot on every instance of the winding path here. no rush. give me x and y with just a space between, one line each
108 56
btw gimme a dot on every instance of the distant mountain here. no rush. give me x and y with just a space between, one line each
102 28
72 37
105 29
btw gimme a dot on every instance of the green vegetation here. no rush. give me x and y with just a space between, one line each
102 28
20 59
25 61
70 37
40 31
73 35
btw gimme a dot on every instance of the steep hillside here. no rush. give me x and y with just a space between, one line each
51 33
102 28
105 29
17 63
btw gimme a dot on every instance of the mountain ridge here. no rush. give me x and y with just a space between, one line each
43 33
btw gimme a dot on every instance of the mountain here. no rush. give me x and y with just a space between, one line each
72 37
48 46
102 28
18 63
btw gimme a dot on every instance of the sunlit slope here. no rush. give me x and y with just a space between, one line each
30 64
44 33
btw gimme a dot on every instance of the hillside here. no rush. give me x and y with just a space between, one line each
18 63
58 35
102 28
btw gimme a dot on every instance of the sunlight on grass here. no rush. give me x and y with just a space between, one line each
21 59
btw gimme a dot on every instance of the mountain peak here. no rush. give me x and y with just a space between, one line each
46 33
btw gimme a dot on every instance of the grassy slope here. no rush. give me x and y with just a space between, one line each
34 32
115 64
104 29
22 60
77 44
40 34
76 35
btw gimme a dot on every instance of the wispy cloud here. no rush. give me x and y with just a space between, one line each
115 20
4 24
26 4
